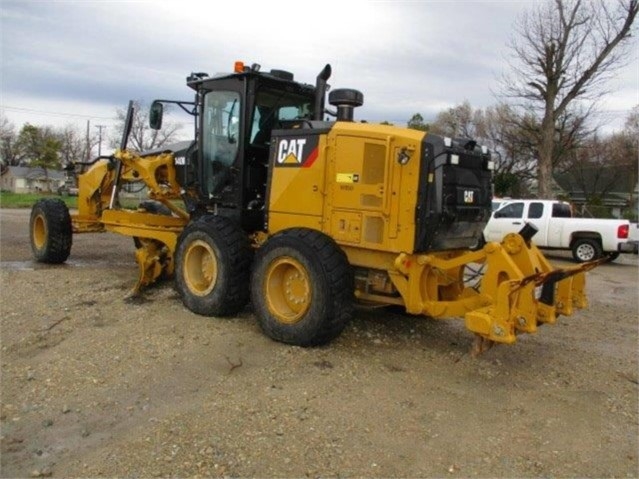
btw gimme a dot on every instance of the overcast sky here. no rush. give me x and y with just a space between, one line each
64 62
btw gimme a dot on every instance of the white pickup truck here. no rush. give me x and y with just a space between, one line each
587 238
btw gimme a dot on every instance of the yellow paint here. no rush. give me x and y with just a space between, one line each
157 234
358 193
297 192
287 290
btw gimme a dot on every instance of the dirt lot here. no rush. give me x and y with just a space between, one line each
94 385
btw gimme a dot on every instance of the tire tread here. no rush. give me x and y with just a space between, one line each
235 246
59 238
339 279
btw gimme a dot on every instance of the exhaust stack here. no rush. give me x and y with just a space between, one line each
320 91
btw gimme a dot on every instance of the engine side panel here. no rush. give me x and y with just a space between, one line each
379 188
370 197
296 180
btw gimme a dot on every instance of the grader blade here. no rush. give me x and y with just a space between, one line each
153 262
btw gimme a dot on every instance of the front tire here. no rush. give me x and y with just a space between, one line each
586 249
302 288
213 262
50 231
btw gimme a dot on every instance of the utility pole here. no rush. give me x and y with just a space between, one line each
100 127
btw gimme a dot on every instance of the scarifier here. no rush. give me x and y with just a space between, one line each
301 216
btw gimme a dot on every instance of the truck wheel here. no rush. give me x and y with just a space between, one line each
302 288
50 231
586 249
212 266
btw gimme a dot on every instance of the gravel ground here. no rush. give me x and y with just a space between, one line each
96 385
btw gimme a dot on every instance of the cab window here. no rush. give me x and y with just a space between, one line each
273 106
220 130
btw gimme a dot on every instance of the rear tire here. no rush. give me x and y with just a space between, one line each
586 249
50 231
212 266
302 288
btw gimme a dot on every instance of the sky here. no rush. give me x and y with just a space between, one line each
66 62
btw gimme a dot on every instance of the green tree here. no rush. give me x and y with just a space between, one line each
40 147
417 123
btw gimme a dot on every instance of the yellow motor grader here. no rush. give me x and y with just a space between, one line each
273 203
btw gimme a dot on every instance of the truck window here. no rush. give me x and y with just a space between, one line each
535 210
512 210
561 210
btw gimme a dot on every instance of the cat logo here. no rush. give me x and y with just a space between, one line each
296 151
469 196
291 152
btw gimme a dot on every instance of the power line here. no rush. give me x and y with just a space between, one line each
51 113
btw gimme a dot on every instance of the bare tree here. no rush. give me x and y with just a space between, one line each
9 153
505 132
459 121
631 128
508 135
73 144
142 137
565 51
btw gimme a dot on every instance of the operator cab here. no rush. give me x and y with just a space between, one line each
235 116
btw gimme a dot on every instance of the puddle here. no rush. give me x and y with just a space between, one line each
34 265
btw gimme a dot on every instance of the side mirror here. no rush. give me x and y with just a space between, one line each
155 115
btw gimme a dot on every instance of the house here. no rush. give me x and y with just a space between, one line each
24 179
601 191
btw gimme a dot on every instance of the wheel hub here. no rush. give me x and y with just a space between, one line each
200 271
287 290
39 232
585 252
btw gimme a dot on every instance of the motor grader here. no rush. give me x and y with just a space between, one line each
276 203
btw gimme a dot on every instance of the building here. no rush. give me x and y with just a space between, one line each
601 192
24 179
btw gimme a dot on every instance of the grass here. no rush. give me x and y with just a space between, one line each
27 200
